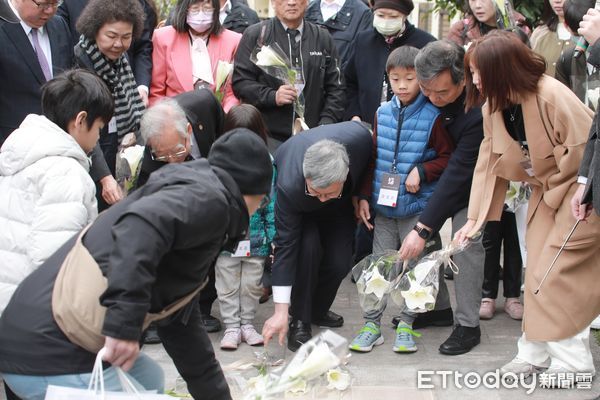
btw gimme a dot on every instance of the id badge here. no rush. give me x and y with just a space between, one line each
112 125
243 249
390 186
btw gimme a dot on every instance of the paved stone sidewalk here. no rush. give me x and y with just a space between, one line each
383 374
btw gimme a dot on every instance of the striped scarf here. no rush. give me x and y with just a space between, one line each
120 80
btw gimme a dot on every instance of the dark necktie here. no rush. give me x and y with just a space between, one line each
295 46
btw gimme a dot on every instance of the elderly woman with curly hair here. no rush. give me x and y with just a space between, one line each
187 54
107 29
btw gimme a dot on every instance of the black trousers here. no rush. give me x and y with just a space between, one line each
188 344
495 234
208 294
325 259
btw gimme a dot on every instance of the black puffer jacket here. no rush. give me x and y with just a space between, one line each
323 90
240 17
154 247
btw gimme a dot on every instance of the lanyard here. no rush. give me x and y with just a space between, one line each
518 128
398 132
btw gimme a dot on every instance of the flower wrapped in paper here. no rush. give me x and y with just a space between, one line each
224 70
375 275
274 62
129 162
517 195
417 289
316 366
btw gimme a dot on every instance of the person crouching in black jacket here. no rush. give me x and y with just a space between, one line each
154 248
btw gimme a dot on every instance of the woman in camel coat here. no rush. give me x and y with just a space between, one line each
535 131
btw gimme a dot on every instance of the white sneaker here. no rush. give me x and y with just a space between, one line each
596 323
519 367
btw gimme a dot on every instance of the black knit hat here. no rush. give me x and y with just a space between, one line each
404 6
244 155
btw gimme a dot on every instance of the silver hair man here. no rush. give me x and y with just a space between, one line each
166 112
325 163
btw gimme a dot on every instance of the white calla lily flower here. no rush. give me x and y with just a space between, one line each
257 383
133 155
299 387
377 284
418 297
318 362
224 69
338 379
267 57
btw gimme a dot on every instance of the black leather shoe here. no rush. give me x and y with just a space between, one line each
443 317
151 335
299 333
461 341
211 324
329 320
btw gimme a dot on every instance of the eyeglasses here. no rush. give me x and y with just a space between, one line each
198 8
47 6
321 196
179 150
265 201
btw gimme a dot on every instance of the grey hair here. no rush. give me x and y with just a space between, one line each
166 112
325 163
439 56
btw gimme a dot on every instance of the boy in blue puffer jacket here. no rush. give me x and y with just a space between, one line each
411 150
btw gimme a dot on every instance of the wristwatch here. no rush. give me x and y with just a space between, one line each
424 233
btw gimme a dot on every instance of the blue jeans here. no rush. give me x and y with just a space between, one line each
145 374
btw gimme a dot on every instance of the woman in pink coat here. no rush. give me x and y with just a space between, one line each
188 54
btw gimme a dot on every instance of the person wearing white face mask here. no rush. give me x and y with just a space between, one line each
187 55
366 63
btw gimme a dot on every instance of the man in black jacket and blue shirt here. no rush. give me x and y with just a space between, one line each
154 248
311 51
440 71
318 173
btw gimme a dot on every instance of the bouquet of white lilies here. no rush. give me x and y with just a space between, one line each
316 366
375 276
129 162
273 61
224 70
517 195
417 289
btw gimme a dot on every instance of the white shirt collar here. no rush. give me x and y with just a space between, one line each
226 7
224 11
300 28
330 8
338 3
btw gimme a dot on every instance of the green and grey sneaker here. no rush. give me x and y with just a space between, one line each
404 342
368 336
